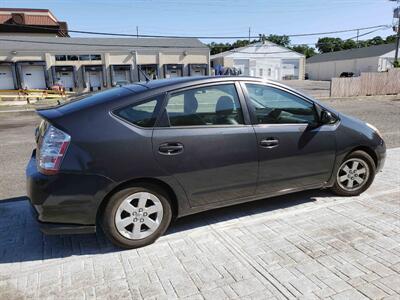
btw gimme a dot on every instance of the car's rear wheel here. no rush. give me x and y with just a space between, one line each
137 216
355 174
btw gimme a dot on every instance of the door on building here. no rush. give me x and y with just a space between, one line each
173 70
242 65
33 77
66 79
6 78
95 80
121 76
150 70
198 69
290 69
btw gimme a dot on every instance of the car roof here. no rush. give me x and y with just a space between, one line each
112 95
161 83
182 82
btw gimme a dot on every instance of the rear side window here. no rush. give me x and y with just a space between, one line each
210 105
141 114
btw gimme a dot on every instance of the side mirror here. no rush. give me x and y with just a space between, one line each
326 117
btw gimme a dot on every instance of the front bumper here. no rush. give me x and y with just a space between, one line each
65 203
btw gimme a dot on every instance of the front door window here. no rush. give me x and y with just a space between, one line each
274 106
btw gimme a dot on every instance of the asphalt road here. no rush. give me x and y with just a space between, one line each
17 136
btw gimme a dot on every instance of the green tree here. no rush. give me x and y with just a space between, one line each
349 44
216 48
362 44
240 43
282 40
376 41
390 39
329 44
304 49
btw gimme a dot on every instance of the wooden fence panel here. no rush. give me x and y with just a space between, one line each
393 86
345 87
385 83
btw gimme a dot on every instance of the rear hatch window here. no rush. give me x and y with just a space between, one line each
93 99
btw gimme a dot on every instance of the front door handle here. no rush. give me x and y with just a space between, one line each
170 148
269 143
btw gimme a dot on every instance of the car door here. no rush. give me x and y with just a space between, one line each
206 142
294 151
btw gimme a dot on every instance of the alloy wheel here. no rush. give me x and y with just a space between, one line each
353 174
139 215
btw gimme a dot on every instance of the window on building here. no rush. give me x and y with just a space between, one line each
274 106
95 57
141 114
261 72
61 57
84 57
211 105
72 57
269 72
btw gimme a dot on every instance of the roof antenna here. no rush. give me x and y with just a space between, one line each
144 74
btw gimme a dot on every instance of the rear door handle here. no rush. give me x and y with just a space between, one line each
269 143
170 148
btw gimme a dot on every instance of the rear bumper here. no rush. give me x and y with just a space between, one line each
65 203
60 228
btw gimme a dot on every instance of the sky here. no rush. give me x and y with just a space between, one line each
219 17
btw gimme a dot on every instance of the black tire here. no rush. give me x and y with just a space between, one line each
365 157
108 222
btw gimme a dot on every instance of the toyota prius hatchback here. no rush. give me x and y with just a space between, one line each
134 158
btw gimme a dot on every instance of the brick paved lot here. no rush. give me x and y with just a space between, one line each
307 245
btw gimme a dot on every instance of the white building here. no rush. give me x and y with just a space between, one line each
264 59
369 59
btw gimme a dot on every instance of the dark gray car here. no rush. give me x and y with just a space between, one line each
134 158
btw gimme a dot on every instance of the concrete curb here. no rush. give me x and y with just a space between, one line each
18 111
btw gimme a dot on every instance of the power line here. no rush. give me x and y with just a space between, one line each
57 42
288 51
197 37
339 31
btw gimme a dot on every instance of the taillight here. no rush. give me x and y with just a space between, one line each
51 150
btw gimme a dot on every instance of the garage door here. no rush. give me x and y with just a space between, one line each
290 69
120 76
6 78
67 79
33 77
95 80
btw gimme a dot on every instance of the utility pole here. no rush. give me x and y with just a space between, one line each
249 34
137 32
396 56
358 34
396 15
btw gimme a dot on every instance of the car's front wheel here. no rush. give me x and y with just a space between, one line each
355 174
136 216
